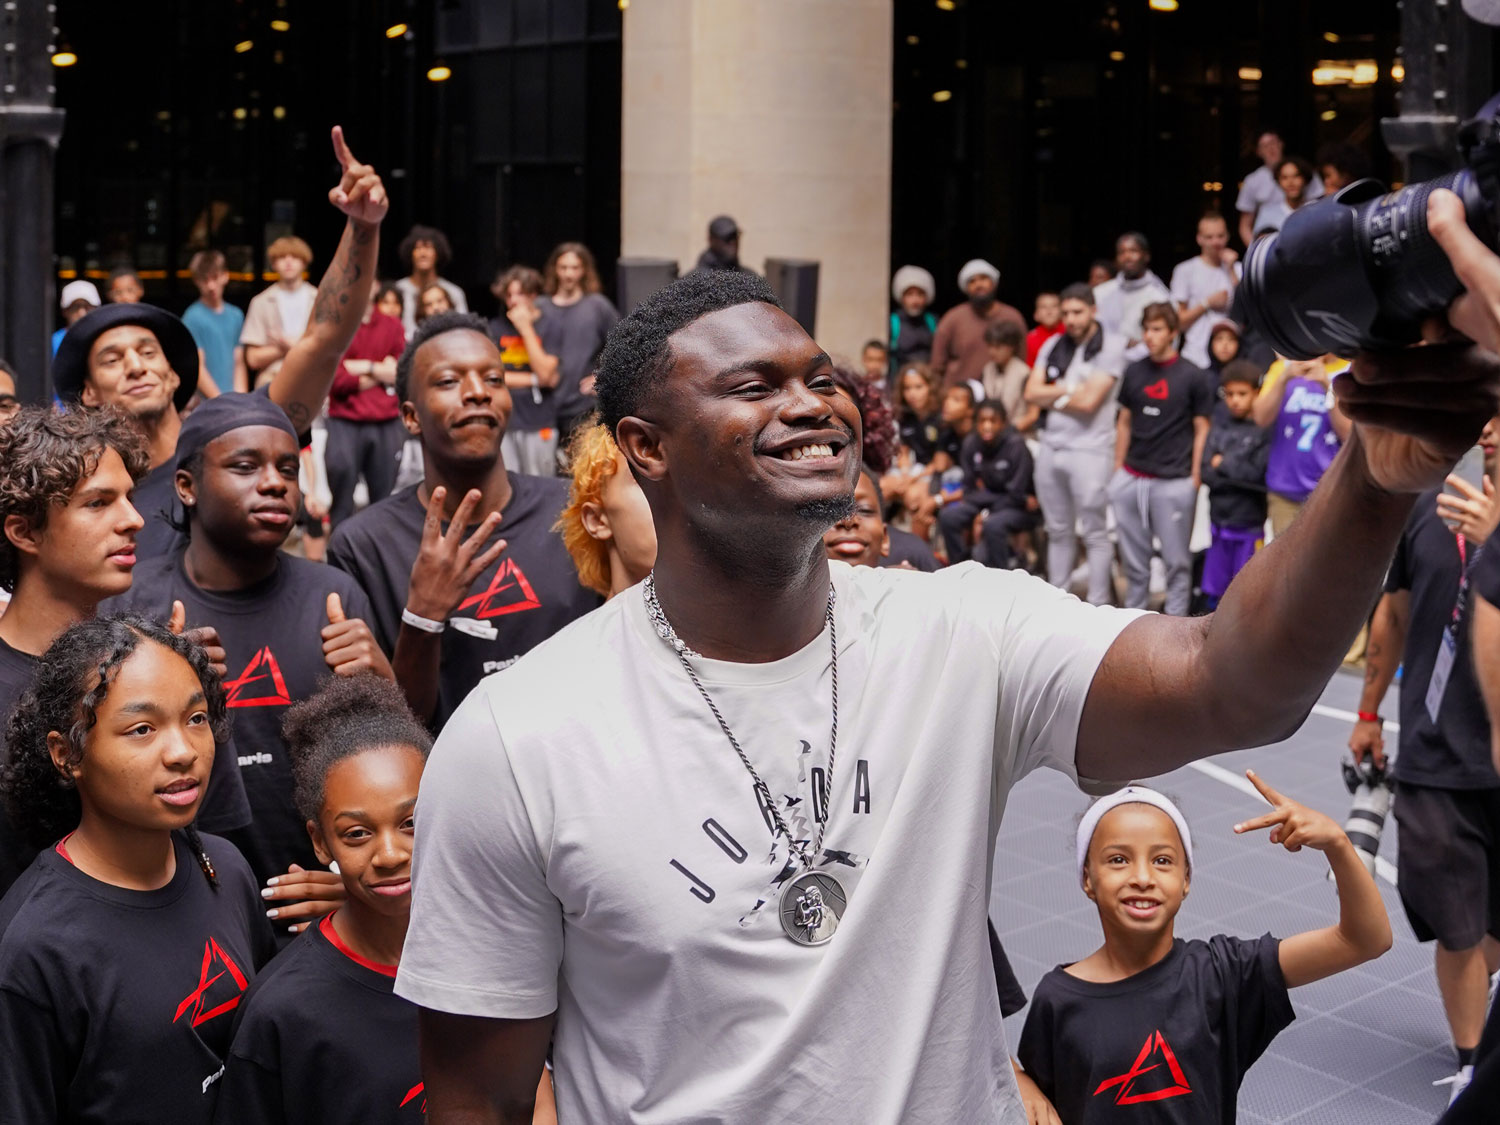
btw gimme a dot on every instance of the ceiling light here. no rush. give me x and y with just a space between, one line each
243 45
395 31
1365 74
1163 5
946 5
64 58
240 114
1328 115
1117 56
1249 74
942 95
439 73
280 25
1398 71
279 112
1330 37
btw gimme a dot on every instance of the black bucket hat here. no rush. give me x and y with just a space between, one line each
70 366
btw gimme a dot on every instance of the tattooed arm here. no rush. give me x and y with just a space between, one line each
1382 658
308 370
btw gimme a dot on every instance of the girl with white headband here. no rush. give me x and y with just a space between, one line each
1150 1018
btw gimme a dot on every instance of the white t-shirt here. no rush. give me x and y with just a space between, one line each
1097 431
295 307
588 842
1119 303
1260 188
1193 282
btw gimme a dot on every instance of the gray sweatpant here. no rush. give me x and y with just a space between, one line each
1162 507
1070 487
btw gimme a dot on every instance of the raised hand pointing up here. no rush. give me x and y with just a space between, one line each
359 193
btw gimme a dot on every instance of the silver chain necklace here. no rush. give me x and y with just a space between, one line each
813 901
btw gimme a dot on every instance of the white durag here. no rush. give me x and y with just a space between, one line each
1130 795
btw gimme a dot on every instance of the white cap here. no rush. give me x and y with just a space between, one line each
1130 795
75 291
973 268
913 277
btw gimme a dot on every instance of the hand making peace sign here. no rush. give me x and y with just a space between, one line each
1295 826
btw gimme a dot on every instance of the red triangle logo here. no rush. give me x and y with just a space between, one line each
1157 389
1155 1047
197 1001
508 592
260 684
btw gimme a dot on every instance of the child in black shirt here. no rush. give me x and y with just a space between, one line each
285 623
322 1037
1234 468
130 940
997 472
1150 1018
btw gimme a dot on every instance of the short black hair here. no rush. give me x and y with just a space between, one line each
998 333
965 388
124 271
1353 162
434 325
1137 237
347 716
995 405
419 233
638 355
1078 291
1240 371
878 345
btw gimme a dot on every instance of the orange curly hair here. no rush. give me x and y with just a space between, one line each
591 455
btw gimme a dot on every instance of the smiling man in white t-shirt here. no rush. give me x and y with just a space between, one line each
729 837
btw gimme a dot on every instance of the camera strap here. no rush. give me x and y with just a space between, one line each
1442 668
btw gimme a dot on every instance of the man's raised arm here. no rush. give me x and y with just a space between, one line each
1171 690
302 384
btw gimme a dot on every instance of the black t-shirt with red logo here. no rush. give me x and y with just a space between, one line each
271 632
117 1005
224 804
323 1039
528 594
1175 1040
1163 399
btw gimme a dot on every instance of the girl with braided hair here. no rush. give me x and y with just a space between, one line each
130 940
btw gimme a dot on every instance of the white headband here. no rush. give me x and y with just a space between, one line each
1130 795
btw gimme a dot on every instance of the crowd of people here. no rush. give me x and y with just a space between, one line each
267 816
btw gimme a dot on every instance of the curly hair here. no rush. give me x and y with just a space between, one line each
419 233
71 681
591 456
45 456
434 325
529 280
638 353
877 421
347 716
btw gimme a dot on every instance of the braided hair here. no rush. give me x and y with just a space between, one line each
72 679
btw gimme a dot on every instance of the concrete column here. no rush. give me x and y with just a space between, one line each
777 112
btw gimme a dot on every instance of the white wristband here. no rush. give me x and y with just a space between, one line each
426 624
1061 403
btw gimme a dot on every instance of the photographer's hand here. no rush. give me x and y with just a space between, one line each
1417 411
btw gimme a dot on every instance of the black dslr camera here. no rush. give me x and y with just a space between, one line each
1359 270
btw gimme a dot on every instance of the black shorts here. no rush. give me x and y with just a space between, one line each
1448 862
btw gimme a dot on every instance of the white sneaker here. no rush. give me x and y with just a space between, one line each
1459 1082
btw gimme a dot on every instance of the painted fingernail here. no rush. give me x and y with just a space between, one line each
265 892
272 913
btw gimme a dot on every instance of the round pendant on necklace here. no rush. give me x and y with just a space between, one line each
811 906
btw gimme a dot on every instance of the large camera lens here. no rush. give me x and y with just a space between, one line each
1358 271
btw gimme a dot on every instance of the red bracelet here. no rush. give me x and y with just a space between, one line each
1368 717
